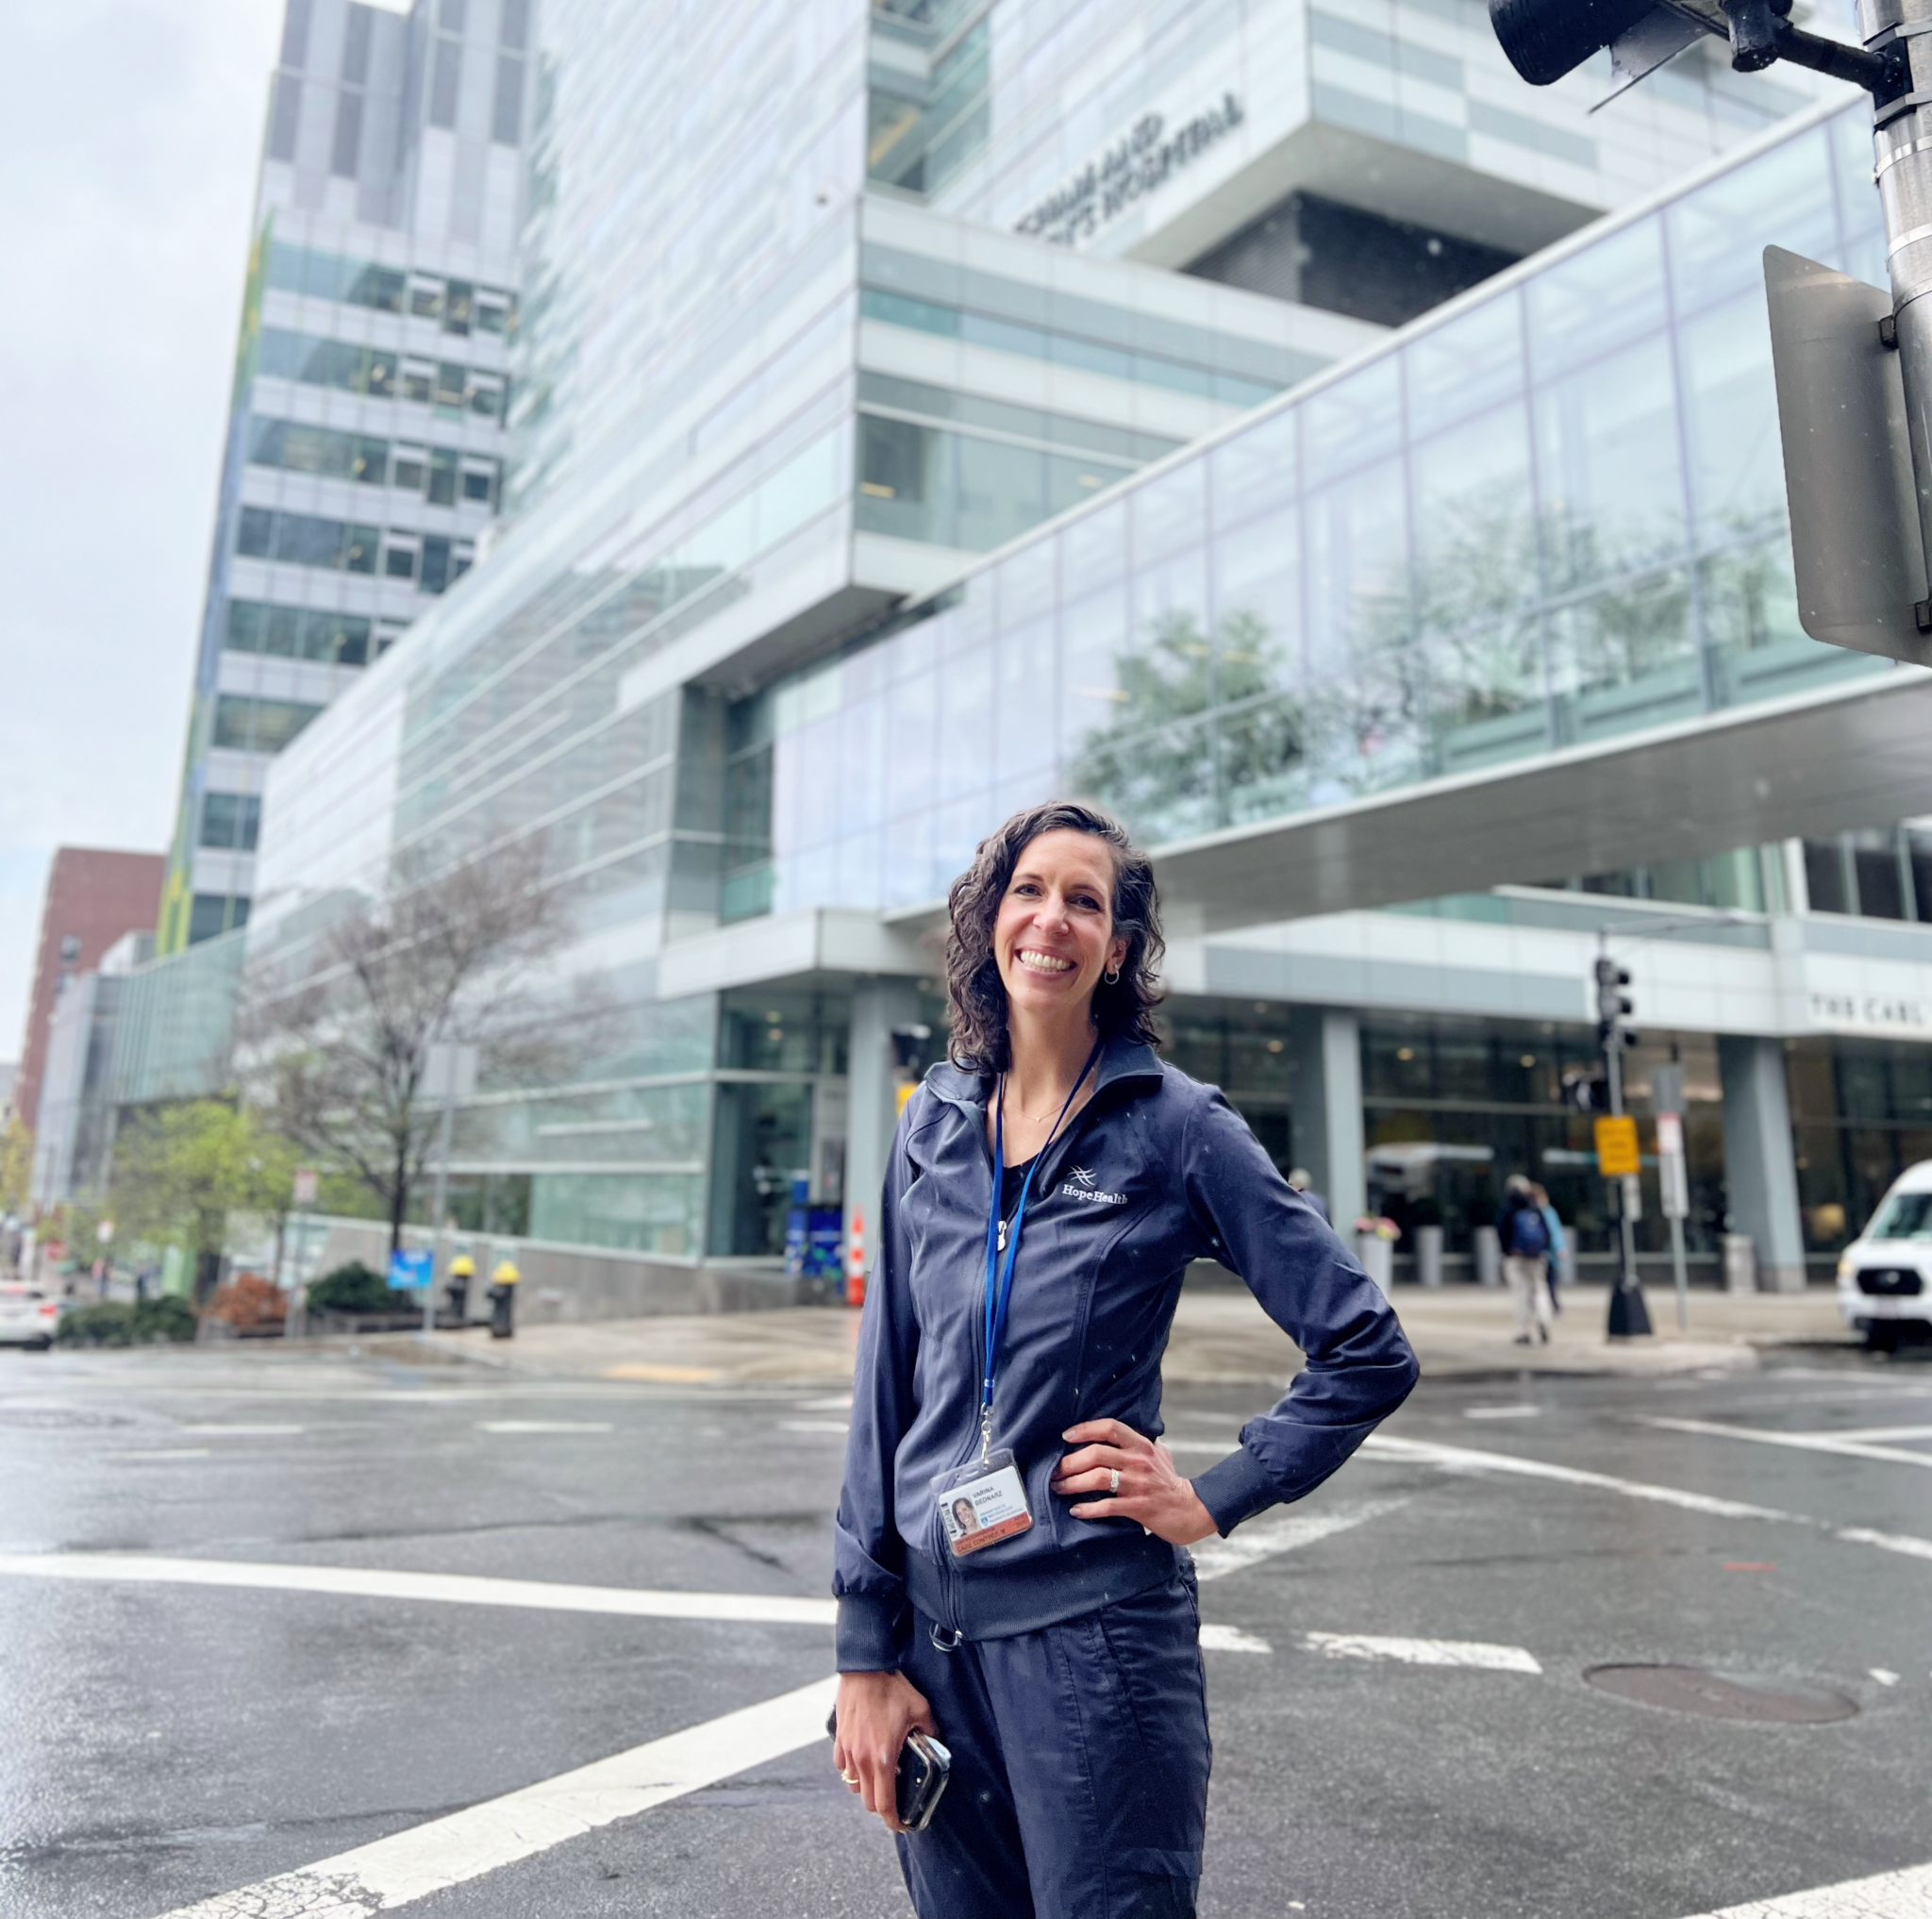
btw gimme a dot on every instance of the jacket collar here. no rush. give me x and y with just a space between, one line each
1121 1060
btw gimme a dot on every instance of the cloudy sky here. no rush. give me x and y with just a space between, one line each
129 131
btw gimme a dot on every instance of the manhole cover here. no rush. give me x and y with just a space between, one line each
47 1418
1685 1689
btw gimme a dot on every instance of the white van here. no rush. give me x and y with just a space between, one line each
1885 1276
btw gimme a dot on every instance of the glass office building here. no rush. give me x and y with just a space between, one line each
1228 412
365 444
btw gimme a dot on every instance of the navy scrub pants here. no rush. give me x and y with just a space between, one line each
1080 1756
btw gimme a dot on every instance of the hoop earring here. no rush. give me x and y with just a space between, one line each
1112 979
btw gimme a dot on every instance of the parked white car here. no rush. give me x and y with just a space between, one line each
1885 1276
28 1317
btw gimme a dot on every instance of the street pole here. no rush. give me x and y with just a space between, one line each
451 1068
1902 163
1629 1318
1673 1174
449 1107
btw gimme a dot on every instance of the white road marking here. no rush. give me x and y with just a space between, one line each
1424 1652
171 1453
482 1839
244 1431
1887 1896
1502 1412
1838 1443
1220 1448
843 1404
1232 1639
1882 1675
1261 1538
519 1425
1466 1460
837 1426
1886 1432
450 1589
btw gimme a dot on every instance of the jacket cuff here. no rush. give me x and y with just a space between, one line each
1235 1489
865 1639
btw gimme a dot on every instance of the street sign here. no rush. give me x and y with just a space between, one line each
1857 548
308 1184
1672 1180
1616 1145
449 1071
409 1272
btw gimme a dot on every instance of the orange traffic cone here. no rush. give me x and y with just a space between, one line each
854 1259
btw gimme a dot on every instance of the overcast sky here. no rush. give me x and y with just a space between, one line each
129 132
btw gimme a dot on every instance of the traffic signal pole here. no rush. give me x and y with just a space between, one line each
1902 163
1629 1318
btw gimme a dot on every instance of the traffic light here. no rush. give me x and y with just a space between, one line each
1546 38
1613 1007
1588 1092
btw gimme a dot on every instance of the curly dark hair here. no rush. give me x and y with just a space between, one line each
978 1040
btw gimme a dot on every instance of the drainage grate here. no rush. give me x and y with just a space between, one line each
1685 1689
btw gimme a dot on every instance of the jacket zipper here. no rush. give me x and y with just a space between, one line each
950 1575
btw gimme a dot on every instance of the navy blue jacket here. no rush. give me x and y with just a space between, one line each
1155 1170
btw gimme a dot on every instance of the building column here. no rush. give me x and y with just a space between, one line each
1760 1165
1325 1061
872 1092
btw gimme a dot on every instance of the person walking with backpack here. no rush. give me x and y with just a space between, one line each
1526 1236
1553 1260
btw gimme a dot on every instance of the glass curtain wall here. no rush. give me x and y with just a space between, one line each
1550 517
1861 1111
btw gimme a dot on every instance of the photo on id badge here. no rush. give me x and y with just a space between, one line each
982 1502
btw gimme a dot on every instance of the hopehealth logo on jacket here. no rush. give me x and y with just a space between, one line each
1083 1185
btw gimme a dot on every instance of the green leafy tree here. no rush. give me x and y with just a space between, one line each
1199 719
16 1165
179 1171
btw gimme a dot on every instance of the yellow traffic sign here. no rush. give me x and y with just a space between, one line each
1616 1145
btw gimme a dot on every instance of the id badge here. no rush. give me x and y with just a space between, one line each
982 1502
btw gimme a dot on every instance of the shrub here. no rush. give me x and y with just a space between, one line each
248 1303
356 1289
114 1322
111 1324
169 1318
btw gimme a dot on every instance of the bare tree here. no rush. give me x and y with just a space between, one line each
337 1055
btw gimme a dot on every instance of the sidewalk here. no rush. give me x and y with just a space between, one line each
1221 1337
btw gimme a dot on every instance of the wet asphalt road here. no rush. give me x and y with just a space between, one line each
164 1744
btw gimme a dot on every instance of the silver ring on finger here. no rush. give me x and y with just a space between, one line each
1114 1481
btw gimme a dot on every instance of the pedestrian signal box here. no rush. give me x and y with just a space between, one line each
1616 1145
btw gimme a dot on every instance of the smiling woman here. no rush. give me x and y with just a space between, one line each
1010 1560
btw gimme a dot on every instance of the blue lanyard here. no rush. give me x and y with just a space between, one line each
999 1284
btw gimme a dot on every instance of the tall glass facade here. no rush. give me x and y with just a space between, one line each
1553 515
366 437
840 526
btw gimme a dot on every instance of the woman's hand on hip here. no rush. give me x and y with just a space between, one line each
1150 1490
876 1713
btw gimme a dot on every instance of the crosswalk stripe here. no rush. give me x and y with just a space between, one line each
457 1589
1261 1538
446 1852
1885 1895
1467 1459
1473 1653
